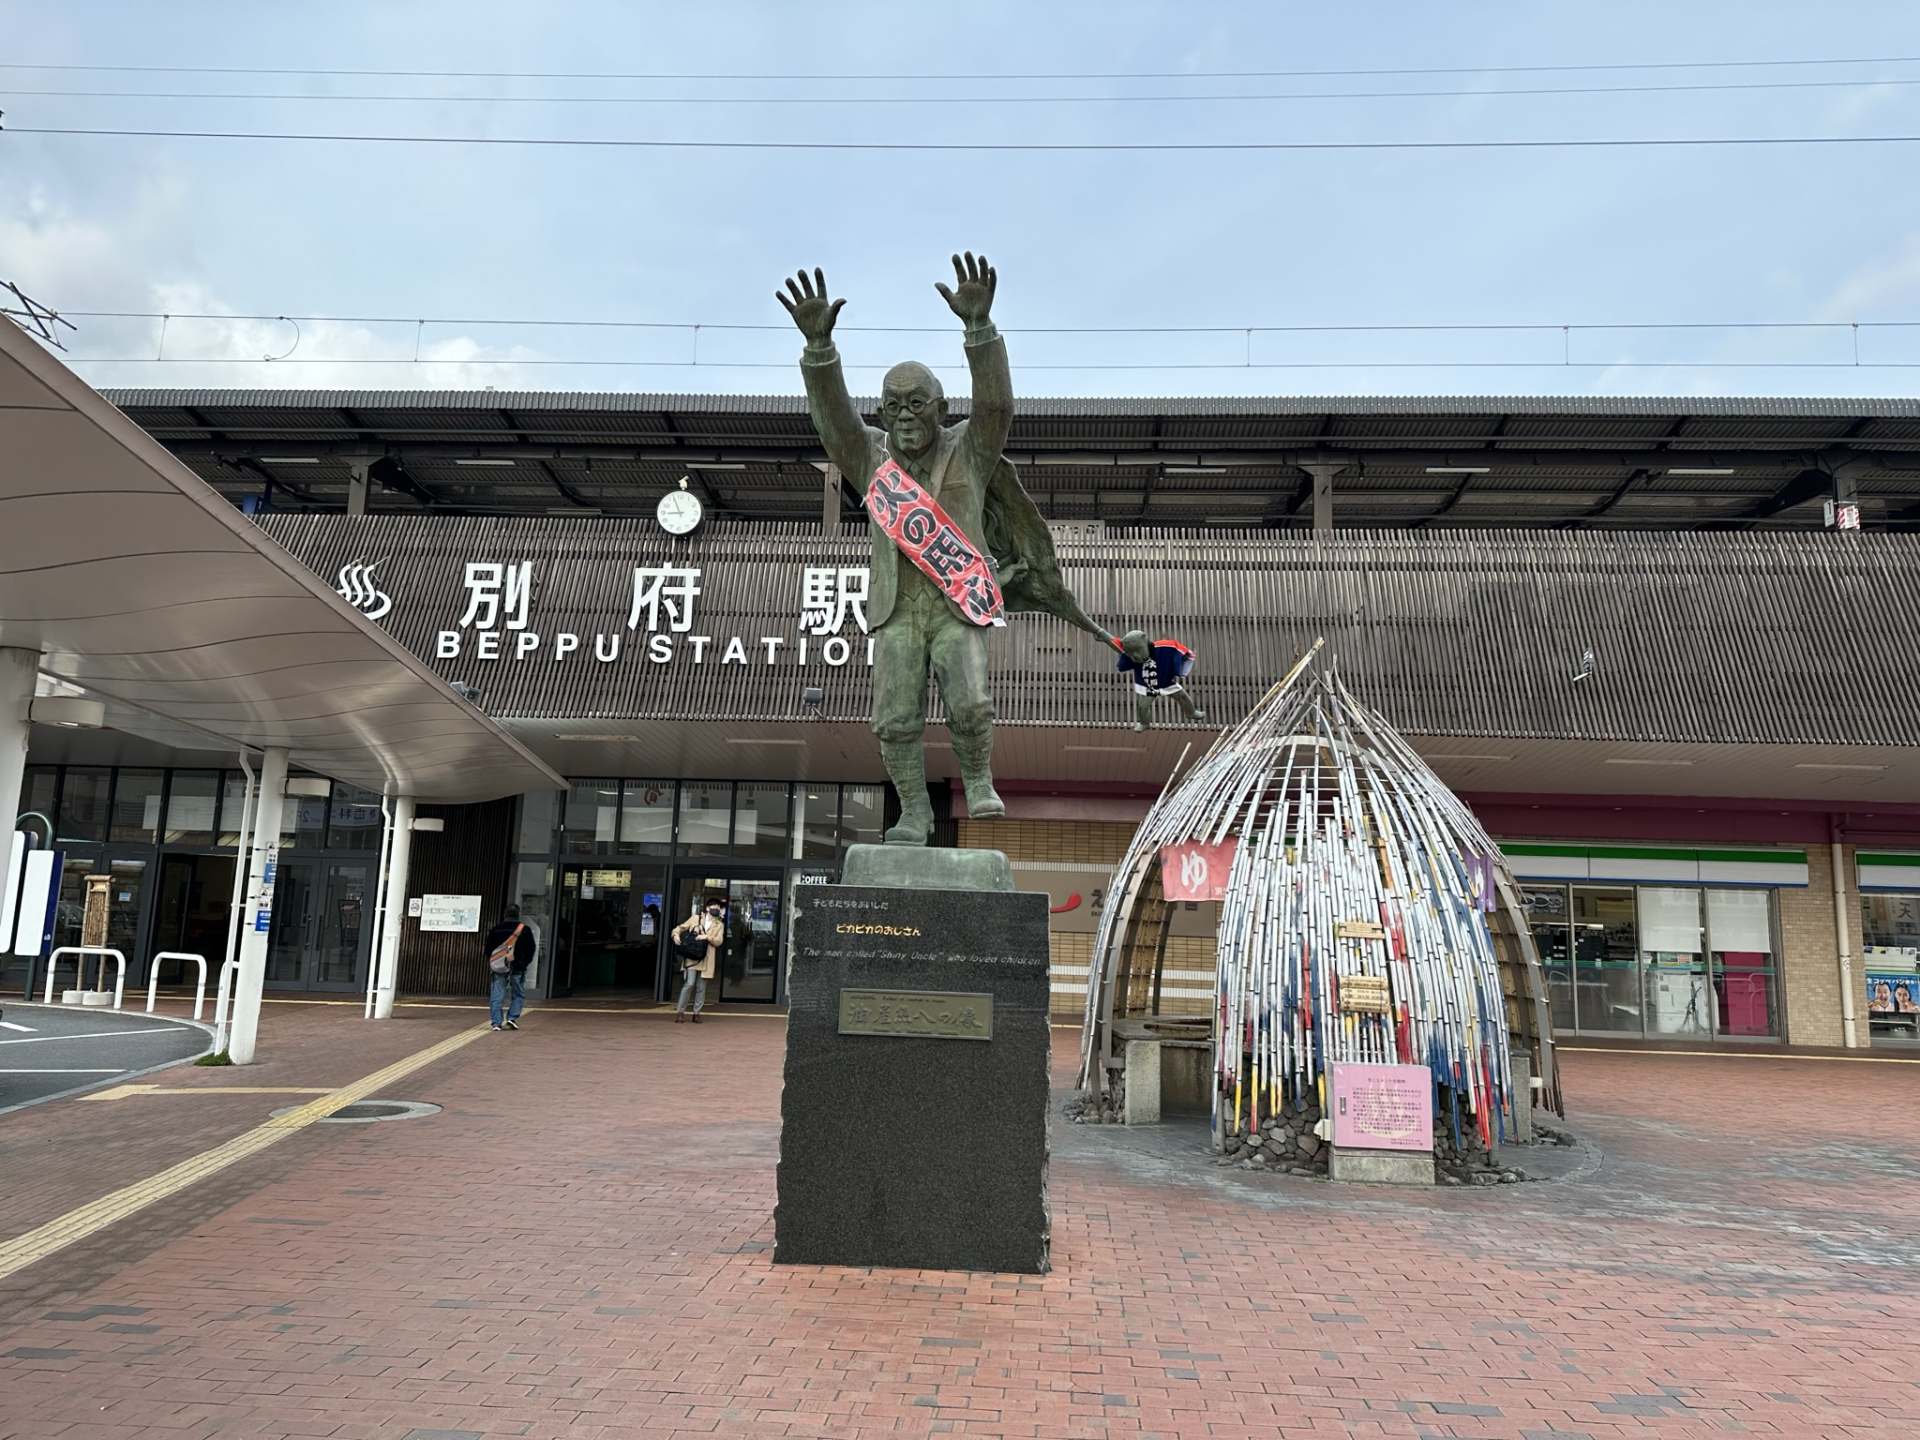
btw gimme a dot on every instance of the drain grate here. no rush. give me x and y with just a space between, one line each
364 1112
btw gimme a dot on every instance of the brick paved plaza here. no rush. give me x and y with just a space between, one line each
578 1246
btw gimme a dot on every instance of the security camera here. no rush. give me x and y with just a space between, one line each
470 693
813 695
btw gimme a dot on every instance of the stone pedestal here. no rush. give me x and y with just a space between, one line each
1381 1167
914 1116
1143 1083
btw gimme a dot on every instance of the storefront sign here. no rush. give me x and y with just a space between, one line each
921 1014
1383 1107
455 913
1196 871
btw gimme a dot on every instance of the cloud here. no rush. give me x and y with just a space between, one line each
118 263
1876 288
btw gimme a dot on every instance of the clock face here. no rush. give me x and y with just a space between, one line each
679 512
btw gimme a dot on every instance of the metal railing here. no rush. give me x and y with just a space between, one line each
153 978
80 953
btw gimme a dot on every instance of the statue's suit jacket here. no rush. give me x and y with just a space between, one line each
957 470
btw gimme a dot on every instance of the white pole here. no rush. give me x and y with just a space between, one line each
262 864
240 903
18 671
399 855
381 900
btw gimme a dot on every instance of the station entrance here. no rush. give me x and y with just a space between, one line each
612 920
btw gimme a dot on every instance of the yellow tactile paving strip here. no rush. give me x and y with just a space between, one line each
91 1218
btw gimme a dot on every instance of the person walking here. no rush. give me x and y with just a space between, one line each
697 965
510 950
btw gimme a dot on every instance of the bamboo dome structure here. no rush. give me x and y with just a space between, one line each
1365 916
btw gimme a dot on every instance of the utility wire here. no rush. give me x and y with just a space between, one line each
958 147
1194 365
976 75
963 99
1536 327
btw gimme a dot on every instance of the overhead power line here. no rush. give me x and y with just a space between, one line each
580 364
981 146
786 327
919 76
676 100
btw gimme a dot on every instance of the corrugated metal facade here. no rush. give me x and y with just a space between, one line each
1697 637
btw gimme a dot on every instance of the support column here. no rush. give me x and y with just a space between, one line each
357 484
263 862
1323 473
399 856
830 499
18 669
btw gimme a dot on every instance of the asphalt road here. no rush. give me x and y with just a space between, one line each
55 1049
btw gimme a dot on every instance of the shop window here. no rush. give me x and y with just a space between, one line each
354 819
1745 972
83 804
1890 939
533 893
136 806
863 814
539 816
706 817
303 822
233 803
1673 952
816 820
38 787
193 798
760 820
1548 918
646 817
1606 961
593 816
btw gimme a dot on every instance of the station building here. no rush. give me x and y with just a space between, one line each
1664 648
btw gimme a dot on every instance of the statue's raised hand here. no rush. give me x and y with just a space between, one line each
972 297
809 306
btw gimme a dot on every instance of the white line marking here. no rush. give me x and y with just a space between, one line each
23 1029
97 1035
59 1072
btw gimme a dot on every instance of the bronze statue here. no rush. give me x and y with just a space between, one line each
944 499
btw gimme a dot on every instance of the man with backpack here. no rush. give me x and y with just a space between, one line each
510 949
696 944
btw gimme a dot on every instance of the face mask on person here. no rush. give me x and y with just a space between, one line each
713 912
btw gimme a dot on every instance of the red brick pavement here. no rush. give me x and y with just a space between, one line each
579 1246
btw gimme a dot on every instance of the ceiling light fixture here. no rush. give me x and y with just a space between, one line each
1700 470
490 464
1459 469
288 459
1437 759
1834 765
1656 763
714 465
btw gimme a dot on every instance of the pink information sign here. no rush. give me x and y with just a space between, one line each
1383 1107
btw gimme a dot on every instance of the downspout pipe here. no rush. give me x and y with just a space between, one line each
1843 934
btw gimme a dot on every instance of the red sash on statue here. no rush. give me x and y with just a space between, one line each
927 536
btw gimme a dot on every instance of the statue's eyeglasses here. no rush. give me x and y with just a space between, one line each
914 404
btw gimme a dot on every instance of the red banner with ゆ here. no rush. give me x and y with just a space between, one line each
1196 871
927 536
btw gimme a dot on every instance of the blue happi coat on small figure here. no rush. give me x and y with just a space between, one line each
1158 668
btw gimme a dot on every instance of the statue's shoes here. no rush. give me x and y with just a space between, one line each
910 830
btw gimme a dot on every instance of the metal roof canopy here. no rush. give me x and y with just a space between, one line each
1557 461
139 585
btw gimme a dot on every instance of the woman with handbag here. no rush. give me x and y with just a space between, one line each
697 942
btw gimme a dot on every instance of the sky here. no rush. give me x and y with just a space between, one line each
1133 243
